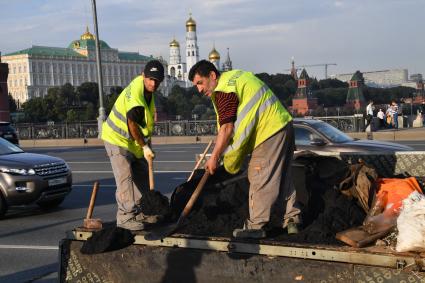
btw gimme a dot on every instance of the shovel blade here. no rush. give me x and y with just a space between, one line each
161 232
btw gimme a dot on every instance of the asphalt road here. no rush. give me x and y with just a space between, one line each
29 237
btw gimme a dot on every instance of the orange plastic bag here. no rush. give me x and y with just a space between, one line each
389 200
395 191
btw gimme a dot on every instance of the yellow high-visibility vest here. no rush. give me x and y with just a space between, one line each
115 128
259 116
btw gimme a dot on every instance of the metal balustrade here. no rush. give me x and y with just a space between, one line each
165 128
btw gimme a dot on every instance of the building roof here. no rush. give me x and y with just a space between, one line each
174 43
132 56
357 76
47 51
214 55
87 43
304 74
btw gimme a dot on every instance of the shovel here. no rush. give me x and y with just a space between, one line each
151 178
166 231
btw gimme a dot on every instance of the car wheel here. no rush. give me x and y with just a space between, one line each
50 204
3 206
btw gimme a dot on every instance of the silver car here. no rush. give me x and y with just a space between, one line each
27 178
317 135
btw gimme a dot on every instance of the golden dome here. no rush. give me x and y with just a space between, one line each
87 35
174 43
214 55
190 24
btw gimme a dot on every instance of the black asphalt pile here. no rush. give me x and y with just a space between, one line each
223 205
155 203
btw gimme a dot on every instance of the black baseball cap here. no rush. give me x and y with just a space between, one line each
155 70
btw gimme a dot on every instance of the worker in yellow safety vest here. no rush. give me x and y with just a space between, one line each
127 136
252 120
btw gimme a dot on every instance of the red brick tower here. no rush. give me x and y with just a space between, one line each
355 98
303 100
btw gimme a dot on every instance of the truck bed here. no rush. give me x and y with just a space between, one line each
205 259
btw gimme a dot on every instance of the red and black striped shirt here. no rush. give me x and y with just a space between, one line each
227 107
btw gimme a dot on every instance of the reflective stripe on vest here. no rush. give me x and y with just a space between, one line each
115 127
259 116
247 131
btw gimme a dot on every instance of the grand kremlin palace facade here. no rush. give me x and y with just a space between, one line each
34 70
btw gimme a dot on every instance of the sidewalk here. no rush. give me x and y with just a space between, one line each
387 135
402 134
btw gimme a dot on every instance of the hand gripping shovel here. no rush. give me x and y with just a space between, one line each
165 231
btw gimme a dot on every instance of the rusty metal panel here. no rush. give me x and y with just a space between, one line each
140 263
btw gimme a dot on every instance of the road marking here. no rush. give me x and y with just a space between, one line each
107 162
29 247
90 186
109 172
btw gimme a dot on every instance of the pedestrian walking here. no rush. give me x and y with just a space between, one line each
381 117
369 116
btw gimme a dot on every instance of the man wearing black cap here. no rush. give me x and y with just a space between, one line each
127 136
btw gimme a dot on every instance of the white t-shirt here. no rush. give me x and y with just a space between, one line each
369 109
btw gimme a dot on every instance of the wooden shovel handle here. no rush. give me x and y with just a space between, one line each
195 195
200 160
151 178
92 199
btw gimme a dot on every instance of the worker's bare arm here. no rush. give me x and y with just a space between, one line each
135 132
224 135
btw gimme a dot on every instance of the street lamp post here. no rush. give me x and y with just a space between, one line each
102 115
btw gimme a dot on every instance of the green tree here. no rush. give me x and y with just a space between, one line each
12 104
35 110
89 112
88 92
71 116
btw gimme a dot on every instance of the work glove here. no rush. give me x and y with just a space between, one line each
148 153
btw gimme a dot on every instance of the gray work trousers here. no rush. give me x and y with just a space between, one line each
272 193
131 177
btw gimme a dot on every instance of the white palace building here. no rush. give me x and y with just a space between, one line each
34 70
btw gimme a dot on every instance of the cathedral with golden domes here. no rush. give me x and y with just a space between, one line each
178 70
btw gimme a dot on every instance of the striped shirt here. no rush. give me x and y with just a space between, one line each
227 107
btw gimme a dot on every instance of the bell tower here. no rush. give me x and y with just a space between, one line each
192 50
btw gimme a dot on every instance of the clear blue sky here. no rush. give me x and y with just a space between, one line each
262 35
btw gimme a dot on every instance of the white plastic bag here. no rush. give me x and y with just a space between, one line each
411 224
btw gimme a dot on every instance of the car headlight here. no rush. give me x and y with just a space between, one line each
16 171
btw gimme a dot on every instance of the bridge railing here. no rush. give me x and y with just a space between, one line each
164 128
